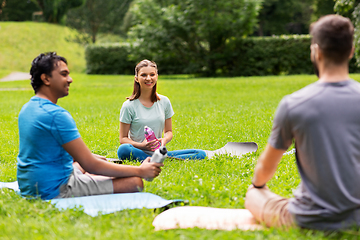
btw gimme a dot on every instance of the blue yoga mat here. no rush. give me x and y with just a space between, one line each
105 204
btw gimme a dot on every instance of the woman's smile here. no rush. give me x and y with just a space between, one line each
147 77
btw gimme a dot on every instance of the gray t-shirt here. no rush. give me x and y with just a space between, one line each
139 116
324 121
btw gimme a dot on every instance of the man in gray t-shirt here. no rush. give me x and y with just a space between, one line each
324 121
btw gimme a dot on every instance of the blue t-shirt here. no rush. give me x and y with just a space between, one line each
43 164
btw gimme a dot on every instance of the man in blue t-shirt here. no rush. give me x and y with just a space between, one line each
53 160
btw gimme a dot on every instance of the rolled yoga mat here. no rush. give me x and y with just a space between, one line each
207 218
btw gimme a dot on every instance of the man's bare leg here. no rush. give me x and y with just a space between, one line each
128 185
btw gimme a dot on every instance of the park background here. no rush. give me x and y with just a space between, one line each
224 65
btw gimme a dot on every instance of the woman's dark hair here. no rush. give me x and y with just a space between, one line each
334 34
137 91
44 63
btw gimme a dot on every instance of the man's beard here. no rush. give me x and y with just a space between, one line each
316 69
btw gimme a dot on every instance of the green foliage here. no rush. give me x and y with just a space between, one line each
98 16
276 55
323 7
351 9
108 59
189 33
279 17
208 114
17 10
21 42
55 10
251 56
270 56
345 7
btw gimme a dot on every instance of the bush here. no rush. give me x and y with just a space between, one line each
272 56
254 56
269 56
108 59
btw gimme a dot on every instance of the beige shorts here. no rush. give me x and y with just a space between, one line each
268 207
81 184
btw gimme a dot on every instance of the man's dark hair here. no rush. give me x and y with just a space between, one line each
335 35
44 63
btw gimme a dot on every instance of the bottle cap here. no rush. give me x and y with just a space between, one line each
163 150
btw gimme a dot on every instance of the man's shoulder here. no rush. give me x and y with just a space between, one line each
303 95
354 85
38 105
52 109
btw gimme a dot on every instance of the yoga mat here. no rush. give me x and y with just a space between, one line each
235 149
105 204
207 218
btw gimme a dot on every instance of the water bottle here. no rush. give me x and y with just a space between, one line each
158 157
150 135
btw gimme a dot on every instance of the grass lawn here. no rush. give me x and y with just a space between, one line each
21 42
209 113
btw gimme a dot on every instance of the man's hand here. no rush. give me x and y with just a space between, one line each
100 157
150 169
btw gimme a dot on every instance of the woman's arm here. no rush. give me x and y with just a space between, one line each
168 135
124 135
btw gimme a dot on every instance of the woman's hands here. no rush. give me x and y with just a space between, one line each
150 146
144 145
150 169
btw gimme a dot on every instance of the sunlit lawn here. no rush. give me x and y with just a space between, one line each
209 113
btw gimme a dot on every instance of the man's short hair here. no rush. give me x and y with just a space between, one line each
335 35
44 63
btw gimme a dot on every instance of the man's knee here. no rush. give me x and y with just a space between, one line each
128 185
138 184
268 207
256 199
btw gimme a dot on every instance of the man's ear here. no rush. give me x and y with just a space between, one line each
45 79
352 52
318 54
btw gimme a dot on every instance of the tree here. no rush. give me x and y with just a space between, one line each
98 16
55 10
191 31
323 7
17 10
351 9
284 17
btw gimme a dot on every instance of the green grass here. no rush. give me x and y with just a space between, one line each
208 114
21 42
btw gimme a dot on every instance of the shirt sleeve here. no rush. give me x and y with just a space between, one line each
281 134
126 113
169 112
64 128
